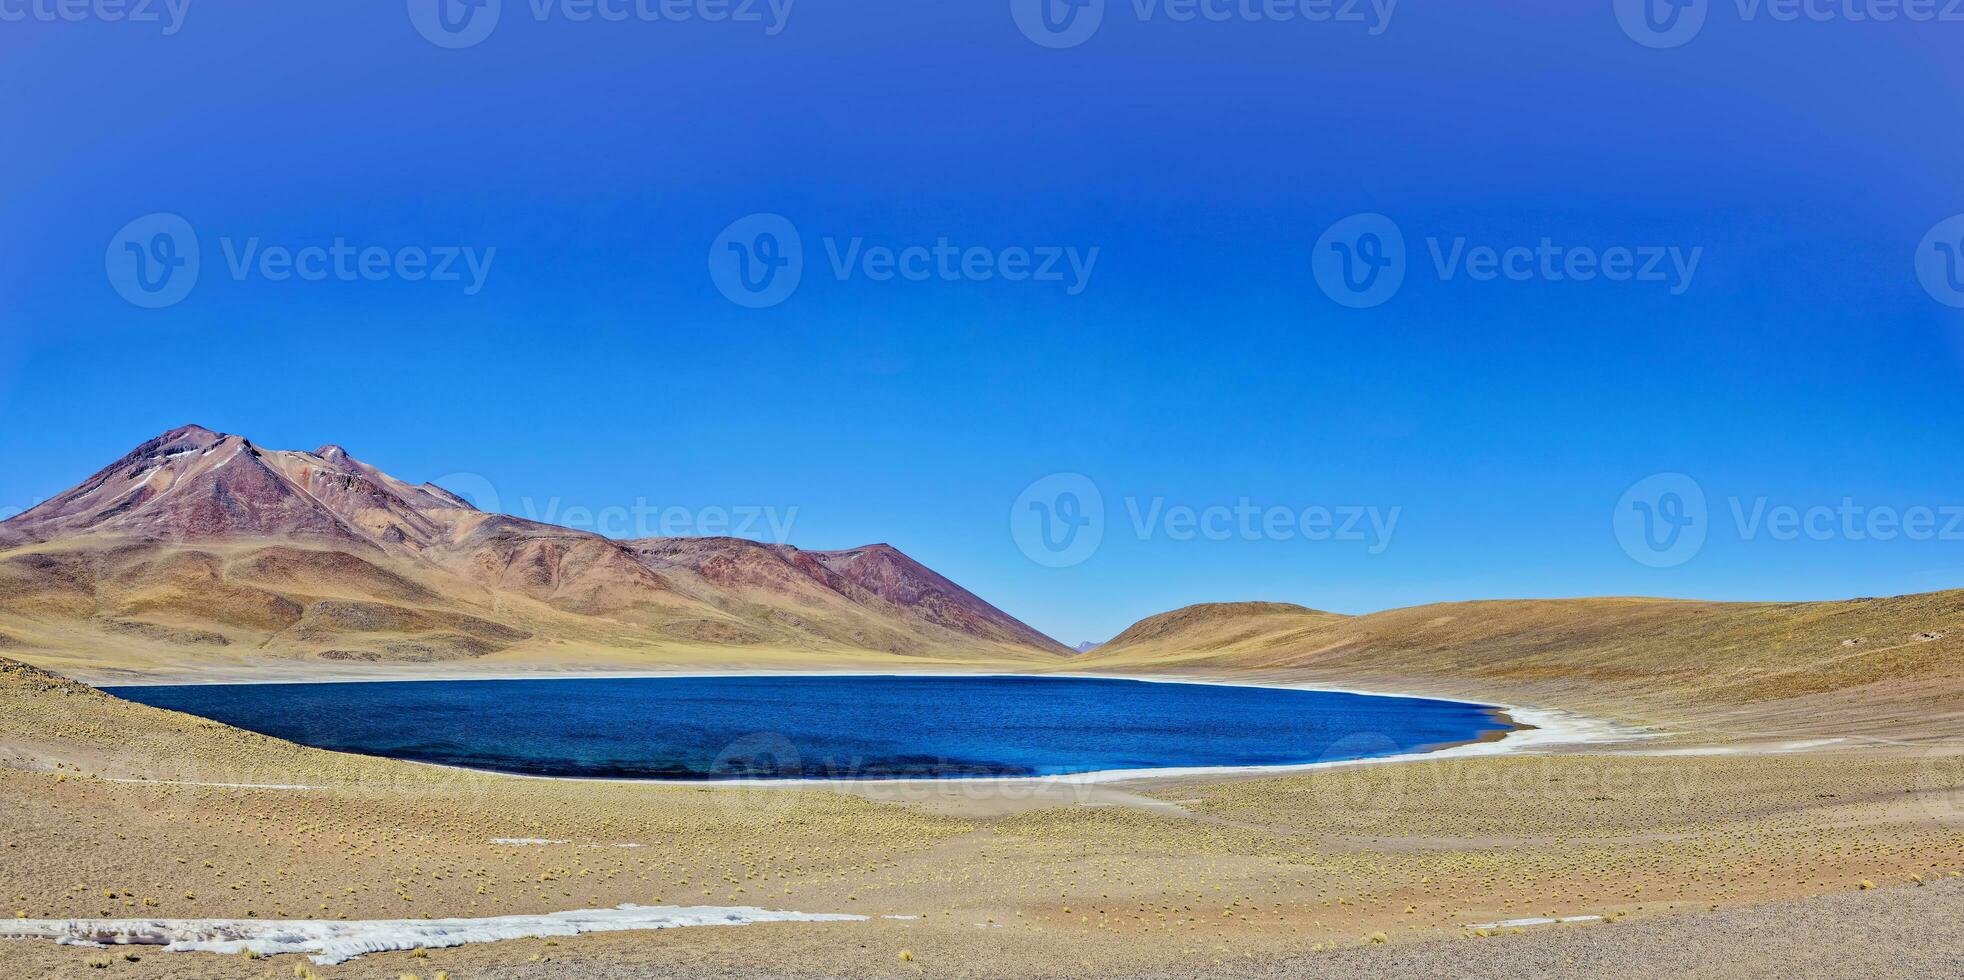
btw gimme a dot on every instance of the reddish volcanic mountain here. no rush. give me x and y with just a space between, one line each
192 484
202 545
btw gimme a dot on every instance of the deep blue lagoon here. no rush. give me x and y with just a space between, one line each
833 727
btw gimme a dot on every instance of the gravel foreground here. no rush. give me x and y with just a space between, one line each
109 809
1898 932
1901 932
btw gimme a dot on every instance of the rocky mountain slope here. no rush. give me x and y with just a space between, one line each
201 546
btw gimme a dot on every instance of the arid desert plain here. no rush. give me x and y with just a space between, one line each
1698 789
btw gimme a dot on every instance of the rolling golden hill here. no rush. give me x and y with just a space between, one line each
1882 666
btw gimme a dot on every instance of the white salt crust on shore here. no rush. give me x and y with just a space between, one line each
334 942
1785 748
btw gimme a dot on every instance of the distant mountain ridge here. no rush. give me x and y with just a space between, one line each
198 540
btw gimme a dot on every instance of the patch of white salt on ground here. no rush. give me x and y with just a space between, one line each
1523 923
1748 749
332 943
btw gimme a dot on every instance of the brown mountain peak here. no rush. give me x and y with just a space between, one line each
192 431
184 437
344 529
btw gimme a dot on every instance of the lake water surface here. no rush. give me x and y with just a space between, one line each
830 727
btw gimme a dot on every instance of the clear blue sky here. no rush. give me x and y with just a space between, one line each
1201 363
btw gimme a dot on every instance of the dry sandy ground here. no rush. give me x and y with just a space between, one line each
1901 932
1280 875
